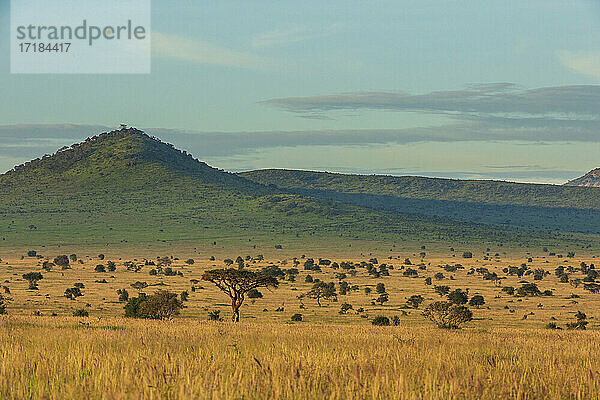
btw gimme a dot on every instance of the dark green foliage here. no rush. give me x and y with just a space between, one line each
254 294
415 301
458 297
345 307
237 283
33 278
381 320
62 261
184 296
380 288
442 290
123 295
161 305
215 315
508 290
580 321
528 289
321 290
100 268
297 318
73 293
477 301
32 253
81 313
190 261
447 315
111 266
467 254
428 281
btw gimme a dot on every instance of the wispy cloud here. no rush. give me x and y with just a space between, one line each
202 52
490 101
583 62
291 35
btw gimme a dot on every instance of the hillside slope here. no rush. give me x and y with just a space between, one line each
571 209
124 187
591 179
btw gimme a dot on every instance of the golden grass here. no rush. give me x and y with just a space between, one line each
329 356
57 358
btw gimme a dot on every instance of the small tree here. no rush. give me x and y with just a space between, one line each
321 290
380 288
441 290
458 297
161 305
447 315
381 320
477 301
415 301
33 278
62 261
123 295
236 283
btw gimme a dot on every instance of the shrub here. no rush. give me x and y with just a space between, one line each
81 313
297 318
62 261
447 315
123 295
111 266
552 325
381 320
184 296
508 290
528 289
33 278
161 305
467 254
380 288
215 315
415 301
345 307
189 261
72 293
442 290
458 297
395 320
308 279
254 294
477 301
100 268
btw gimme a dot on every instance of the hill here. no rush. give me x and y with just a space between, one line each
563 208
127 188
591 179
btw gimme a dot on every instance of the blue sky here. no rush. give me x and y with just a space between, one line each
259 84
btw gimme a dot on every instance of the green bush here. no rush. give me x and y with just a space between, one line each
81 313
161 305
297 318
381 320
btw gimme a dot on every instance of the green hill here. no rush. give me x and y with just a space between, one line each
126 188
564 208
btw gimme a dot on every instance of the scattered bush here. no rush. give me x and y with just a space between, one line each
381 320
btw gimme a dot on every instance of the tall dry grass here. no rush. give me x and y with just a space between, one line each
58 358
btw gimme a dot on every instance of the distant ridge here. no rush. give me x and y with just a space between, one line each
126 187
591 179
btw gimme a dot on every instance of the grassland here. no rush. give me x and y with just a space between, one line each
505 352
57 358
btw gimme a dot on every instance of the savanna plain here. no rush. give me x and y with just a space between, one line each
333 327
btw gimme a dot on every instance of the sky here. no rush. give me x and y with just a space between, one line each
462 89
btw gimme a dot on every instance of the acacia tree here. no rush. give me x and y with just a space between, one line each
33 278
236 283
321 290
448 315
